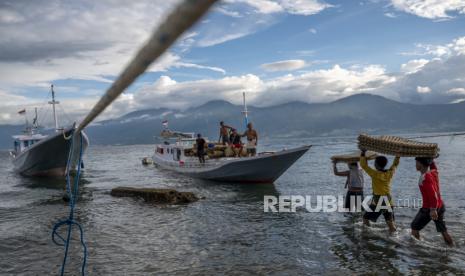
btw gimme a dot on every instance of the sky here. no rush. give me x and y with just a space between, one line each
276 51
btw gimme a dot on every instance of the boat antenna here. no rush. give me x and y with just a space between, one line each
53 103
245 111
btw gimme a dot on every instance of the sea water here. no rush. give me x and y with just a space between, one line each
228 231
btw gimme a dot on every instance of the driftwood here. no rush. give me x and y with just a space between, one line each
165 196
397 146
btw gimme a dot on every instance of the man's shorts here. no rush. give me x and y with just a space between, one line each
423 218
225 139
352 201
374 215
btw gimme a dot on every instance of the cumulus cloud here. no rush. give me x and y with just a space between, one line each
435 80
413 66
431 9
314 86
284 65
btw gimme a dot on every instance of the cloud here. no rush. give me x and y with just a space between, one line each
413 66
457 101
457 91
211 39
84 40
300 7
284 65
227 12
435 80
304 7
431 9
314 86
390 14
251 16
312 30
423 89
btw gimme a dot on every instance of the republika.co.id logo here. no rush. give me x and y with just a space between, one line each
332 203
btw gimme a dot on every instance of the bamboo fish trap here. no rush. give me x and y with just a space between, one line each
393 145
353 157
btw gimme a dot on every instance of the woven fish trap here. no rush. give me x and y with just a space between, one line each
353 157
394 145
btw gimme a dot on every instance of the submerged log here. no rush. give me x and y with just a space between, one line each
166 196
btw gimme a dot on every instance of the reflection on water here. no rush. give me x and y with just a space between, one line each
227 231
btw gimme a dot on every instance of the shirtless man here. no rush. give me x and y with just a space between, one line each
224 133
252 140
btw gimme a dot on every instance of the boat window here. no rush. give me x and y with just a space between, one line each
16 143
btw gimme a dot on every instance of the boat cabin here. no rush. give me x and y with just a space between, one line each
23 142
174 148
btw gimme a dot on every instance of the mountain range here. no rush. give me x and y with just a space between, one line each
348 116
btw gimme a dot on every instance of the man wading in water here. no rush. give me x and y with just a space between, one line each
354 183
252 140
381 184
433 206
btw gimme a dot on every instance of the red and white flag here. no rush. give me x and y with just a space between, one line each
22 112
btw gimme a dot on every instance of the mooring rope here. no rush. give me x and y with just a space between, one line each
183 17
72 194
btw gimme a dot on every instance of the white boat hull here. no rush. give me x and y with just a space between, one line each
264 168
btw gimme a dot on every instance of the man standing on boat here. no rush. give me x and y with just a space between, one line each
224 133
200 148
235 140
252 140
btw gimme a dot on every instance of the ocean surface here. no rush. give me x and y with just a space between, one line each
228 231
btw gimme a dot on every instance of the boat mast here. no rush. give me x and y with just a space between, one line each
245 112
53 103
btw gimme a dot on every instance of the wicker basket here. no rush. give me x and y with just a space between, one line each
397 146
353 157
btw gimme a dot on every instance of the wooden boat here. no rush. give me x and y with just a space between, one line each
265 167
36 154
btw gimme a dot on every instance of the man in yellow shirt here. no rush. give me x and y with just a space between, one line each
381 185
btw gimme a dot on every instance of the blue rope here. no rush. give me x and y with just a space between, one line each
72 201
